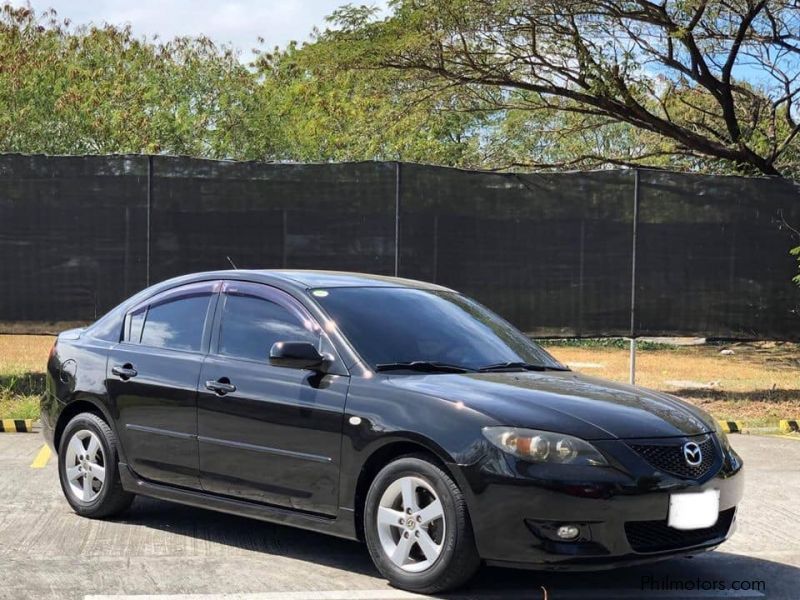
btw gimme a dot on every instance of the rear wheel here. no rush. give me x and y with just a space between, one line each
87 468
417 527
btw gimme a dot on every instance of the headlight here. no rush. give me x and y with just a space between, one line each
727 450
722 436
544 446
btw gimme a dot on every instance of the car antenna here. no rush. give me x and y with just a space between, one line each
233 265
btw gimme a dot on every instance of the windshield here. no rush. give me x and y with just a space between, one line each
401 325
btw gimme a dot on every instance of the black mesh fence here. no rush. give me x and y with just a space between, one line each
557 254
712 256
337 216
550 252
73 235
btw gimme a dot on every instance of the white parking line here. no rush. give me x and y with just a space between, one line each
389 594
304 595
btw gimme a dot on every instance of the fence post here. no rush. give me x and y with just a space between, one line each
398 166
149 204
633 275
284 235
435 248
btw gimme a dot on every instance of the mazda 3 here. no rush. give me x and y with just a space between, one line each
391 411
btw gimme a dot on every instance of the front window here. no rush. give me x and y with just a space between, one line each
401 325
251 325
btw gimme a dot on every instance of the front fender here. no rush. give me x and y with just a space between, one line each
378 416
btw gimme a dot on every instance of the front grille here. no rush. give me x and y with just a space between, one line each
657 536
670 458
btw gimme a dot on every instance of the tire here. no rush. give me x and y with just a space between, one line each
416 565
90 447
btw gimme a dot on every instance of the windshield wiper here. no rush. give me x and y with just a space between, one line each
504 366
424 366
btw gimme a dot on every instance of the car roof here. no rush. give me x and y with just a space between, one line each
309 279
331 279
297 279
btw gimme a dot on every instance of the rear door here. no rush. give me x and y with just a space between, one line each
274 436
152 380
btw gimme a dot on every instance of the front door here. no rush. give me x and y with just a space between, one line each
269 434
152 377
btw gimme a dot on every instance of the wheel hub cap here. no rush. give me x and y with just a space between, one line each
411 524
85 465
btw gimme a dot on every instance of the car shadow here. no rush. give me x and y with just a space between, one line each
707 575
249 534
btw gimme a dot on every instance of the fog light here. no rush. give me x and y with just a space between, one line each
568 532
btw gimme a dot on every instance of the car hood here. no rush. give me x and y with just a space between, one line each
564 402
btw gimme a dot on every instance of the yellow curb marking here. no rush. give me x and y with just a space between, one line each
41 458
731 426
789 425
16 425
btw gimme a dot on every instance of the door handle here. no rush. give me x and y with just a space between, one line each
125 371
221 386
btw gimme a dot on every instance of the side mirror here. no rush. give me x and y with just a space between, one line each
296 355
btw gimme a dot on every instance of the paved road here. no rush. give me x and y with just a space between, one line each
165 550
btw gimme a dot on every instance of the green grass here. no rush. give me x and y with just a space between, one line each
20 394
620 343
19 407
22 363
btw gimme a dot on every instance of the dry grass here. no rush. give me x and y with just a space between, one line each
22 362
760 382
24 353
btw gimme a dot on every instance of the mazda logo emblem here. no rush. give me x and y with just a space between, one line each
692 454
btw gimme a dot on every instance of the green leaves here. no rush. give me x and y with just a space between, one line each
76 90
80 90
469 83
714 86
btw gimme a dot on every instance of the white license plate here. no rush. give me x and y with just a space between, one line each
693 511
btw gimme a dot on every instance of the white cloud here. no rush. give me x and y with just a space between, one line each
235 22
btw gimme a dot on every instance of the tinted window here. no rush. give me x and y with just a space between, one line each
389 325
176 324
250 326
133 332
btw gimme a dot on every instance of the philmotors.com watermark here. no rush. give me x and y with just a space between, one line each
666 583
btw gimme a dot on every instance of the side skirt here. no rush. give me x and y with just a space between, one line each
343 525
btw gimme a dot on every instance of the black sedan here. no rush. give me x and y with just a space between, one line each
392 411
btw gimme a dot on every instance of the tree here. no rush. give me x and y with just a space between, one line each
317 113
99 90
68 89
697 81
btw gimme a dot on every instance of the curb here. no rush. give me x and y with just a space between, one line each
16 425
789 425
732 426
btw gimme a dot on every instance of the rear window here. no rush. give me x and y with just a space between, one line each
176 324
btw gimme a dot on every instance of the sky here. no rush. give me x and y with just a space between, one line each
237 22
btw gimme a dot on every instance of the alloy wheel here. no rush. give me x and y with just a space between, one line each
85 465
411 524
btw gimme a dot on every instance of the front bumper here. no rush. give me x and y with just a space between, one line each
621 511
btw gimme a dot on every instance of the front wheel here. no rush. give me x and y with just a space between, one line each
87 468
417 527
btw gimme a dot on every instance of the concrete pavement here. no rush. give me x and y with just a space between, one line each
161 550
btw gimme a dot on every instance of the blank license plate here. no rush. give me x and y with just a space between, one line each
693 511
